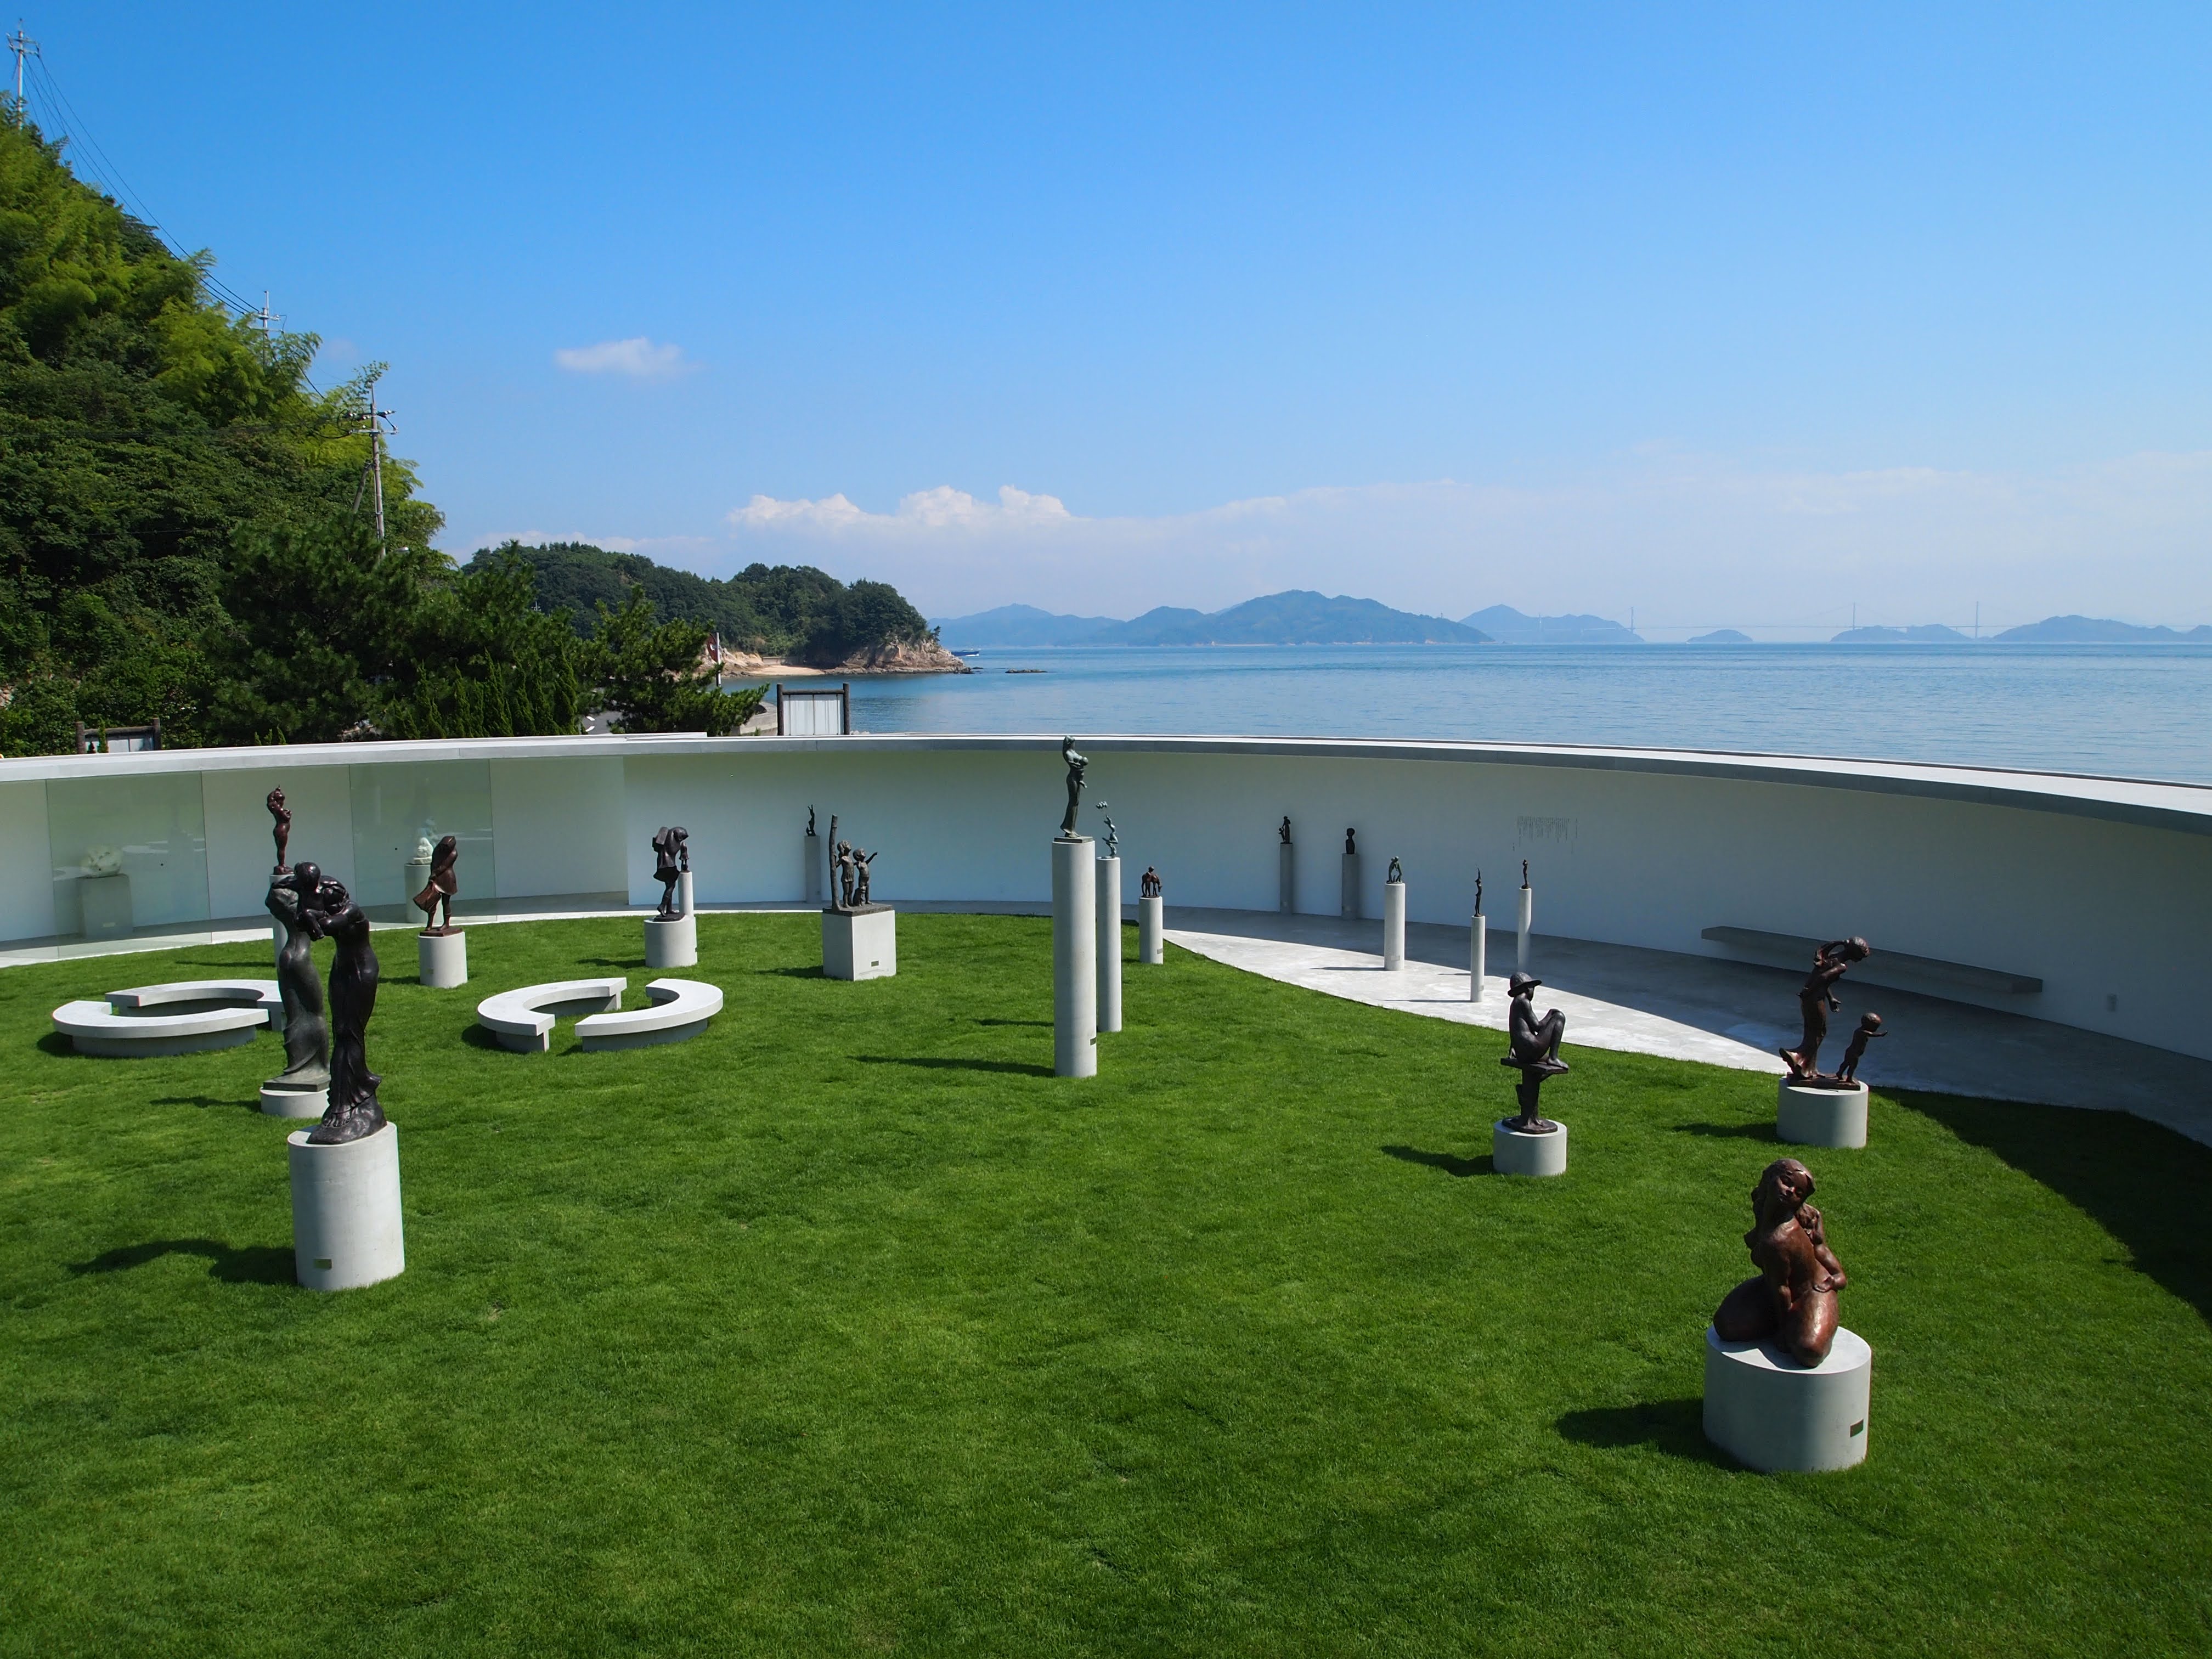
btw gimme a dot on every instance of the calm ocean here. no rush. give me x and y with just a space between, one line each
2128 711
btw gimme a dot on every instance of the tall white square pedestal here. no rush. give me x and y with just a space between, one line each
672 943
442 960
1764 1408
107 905
1820 1117
860 944
345 1211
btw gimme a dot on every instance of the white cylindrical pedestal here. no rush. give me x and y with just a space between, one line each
1527 921
1108 942
1286 891
345 1211
442 960
280 1101
814 856
1512 1152
1477 954
1820 1117
1393 924
684 893
672 943
1764 1408
1348 904
1074 958
1152 931
414 877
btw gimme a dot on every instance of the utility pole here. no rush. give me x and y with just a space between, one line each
375 418
264 320
23 46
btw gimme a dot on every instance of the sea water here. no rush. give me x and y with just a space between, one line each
2119 711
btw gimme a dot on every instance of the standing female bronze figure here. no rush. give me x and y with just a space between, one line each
1792 1302
306 1032
354 1110
1817 999
441 887
1076 765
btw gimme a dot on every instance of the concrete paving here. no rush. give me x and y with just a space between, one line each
1703 1008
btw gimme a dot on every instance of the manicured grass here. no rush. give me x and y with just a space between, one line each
847 1329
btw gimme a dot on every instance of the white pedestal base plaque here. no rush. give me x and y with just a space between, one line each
672 943
1820 1117
345 1211
1512 1152
442 960
860 944
1764 1408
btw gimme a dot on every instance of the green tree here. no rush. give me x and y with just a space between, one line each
648 676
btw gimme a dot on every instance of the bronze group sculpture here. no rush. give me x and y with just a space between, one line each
672 861
1816 999
353 1111
1792 1301
850 869
307 1030
440 888
1869 1028
1113 836
1076 766
1149 886
1534 1050
1396 873
281 830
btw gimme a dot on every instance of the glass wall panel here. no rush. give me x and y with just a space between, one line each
149 829
396 808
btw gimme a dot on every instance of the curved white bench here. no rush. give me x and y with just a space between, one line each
680 1009
523 1020
183 1017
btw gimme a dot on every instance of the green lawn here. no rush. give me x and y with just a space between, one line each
847 1329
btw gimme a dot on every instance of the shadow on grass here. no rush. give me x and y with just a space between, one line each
1675 1427
612 962
256 1264
55 1043
811 971
1729 1131
1039 1024
1448 1162
933 1063
475 1036
207 1102
2143 1184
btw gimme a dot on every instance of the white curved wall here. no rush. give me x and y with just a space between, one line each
2101 888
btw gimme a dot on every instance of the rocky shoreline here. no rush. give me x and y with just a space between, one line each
896 657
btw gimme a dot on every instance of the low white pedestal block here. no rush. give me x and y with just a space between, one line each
1764 1408
1286 887
107 901
1478 953
1393 925
860 944
1074 958
280 1100
672 943
1152 931
1527 924
1108 929
1348 905
345 1211
1512 1152
1820 1117
442 960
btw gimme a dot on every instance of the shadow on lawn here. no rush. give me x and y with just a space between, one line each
933 1063
1729 1131
206 1102
55 1043
1039 1024
256 1264
1448 1162
2143 1184
1677 1427
811 971
613 962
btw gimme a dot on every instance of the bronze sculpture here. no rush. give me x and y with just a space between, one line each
1076 765
848 874
1524 872
307 1031
1792 1301
1396 872
1534 1050
1816 998
672 860
354 1110
1478 890
1113 836
1869 1028
283 829
1285 832
440 888
1149 886
1349 851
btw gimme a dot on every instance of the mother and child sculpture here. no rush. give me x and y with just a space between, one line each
1791 1301
1816 999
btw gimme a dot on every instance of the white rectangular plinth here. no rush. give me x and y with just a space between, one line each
1764 1408
1108 927
107 901
441 960
1393 925
1820 1117
860 944
346 1229
1074 959
1477 954
1152 931
672 943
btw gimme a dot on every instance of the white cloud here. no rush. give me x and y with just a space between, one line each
639 359
1691 541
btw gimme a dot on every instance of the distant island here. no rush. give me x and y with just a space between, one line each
1722 636
1297 616
1924 633
2098 630
1507 626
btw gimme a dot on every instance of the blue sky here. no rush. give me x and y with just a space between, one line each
1734 314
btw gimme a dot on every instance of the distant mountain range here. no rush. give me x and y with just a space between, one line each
2098 630
1505 624
1019 625
1295 617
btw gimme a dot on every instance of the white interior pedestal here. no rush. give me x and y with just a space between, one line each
1820 1117
1764 1408
442 960
860 944
107 901
672 943
345 1211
